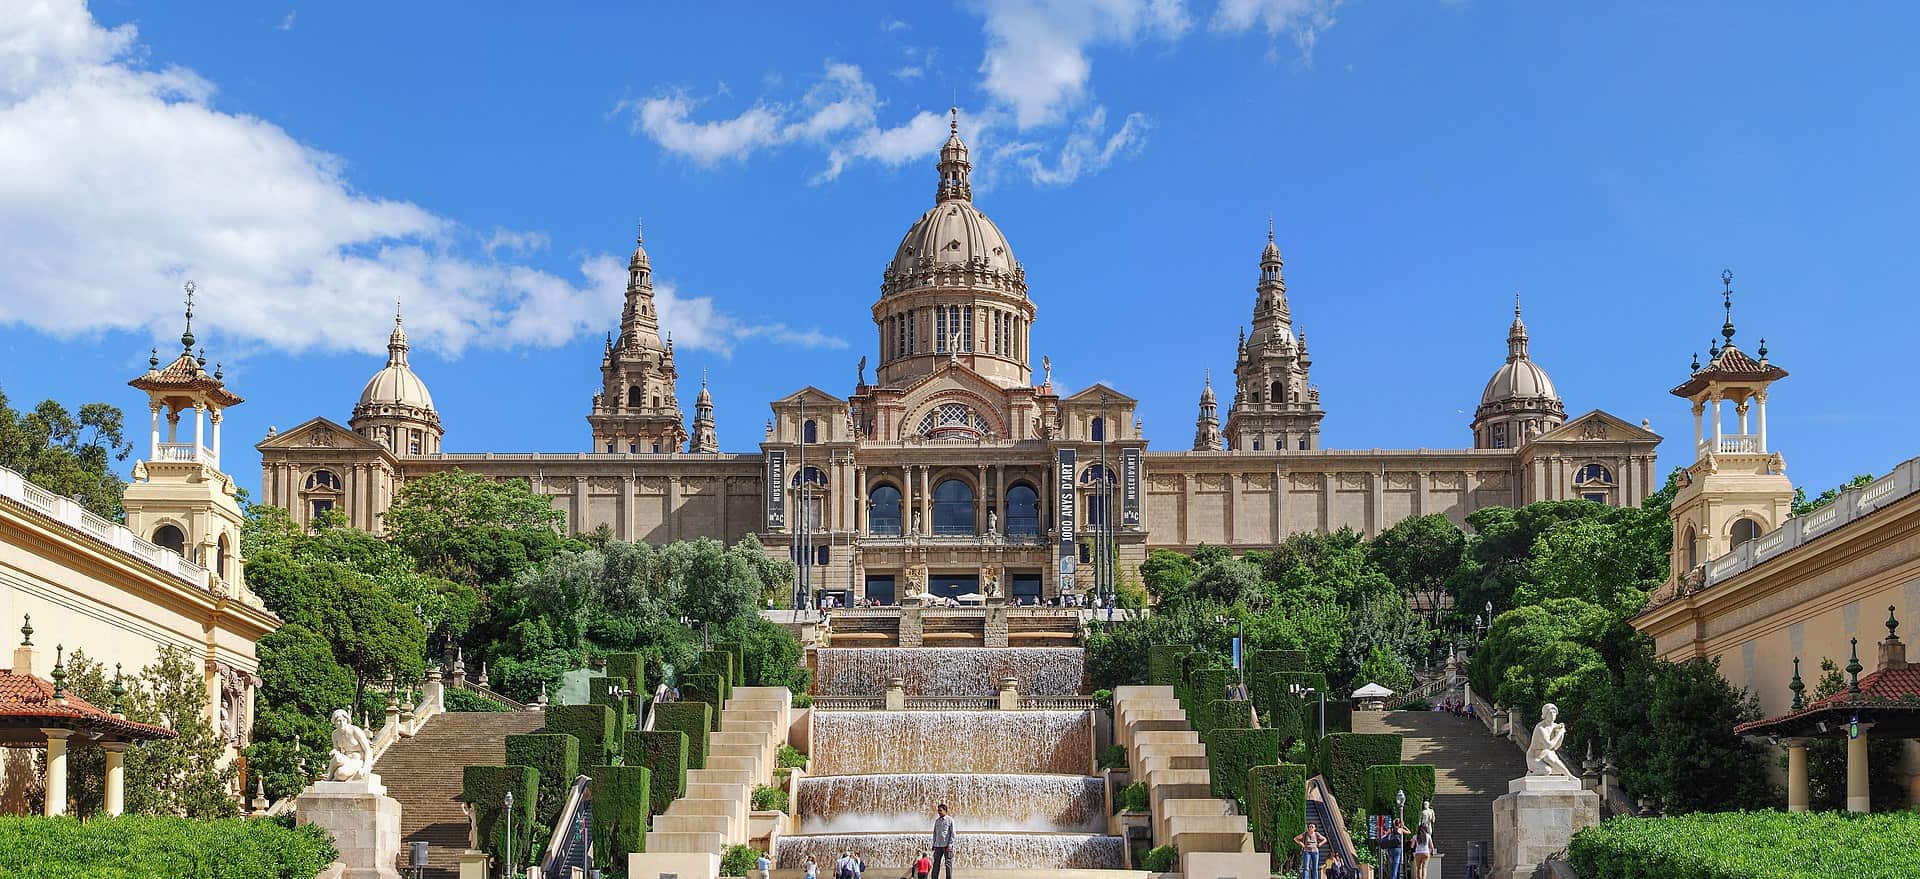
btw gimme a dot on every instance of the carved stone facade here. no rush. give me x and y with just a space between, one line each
953 469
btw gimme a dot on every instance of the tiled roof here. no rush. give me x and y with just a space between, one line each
31 697
186 374
1895 689
1731 364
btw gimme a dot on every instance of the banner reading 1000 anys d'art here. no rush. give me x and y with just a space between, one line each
1068 552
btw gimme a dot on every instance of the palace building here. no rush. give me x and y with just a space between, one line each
951 469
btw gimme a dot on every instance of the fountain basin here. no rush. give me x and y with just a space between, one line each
904 803
890 852
992 742
949 671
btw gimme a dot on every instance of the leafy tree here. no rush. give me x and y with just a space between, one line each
1803 506
474 530
1168 575
1117 652
180 776
1695 762
1386 669
1420 555
1228 582
1589 561
1827 757
70 454
301 684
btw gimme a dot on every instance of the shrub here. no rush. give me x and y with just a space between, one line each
633 667
1343 759
1385 782
664 753
1750 845
802 700
1164 859
1339 717
1135 797
1229 714
1277 808
141 847
1204 686
1163 665
556 756
693 718
791 757
1416 705
736 654
591 724
622 802
1113 757
739 860
769 799
604 691
485 788
1264 661
720 664
1231 752
467 700
1103 699
706 687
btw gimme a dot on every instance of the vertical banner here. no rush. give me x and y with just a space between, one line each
1069 552
1130 488
776 489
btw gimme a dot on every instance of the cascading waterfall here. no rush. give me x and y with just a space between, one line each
904 803
991 742
950 671
894 851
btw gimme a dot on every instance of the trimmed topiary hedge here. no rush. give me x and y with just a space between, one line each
1750 845
1277 808
142 847
591 724
556 756
708 687
693 718
633 667
1343 759
603 691
665 753
622 803
1163 665
1231 752
485 788
1384 782
1265 661
720 664
1204 686
738 652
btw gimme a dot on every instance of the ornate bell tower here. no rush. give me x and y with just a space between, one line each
1275 406
1736 488
179 497
636 409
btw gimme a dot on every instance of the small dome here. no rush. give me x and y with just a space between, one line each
1518 380
395 385
952 234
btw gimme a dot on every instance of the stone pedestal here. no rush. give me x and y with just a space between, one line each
1537 818
364 823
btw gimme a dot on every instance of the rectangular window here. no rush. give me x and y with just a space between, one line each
940 331
1499 436
1303 444
966 324
913 333
321 507
413 442
1595 497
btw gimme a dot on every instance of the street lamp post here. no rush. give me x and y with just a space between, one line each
1399 820
510 833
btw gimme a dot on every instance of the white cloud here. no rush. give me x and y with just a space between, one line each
286 24
1036 58
909 72
893 24
665 119
1306 20
694 321
123 181
1088 149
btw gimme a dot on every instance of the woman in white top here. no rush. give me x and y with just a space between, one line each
1422 850
813 869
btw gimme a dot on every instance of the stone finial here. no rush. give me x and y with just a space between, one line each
59 674
259 803
1893 651
26 630
1797 686
1854 668
119 692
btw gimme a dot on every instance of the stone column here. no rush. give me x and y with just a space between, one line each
56 771
1009 694
116 777
980 502
1761 398
896 694
214 416
859 499
1797 797
199 428
1857 798
1715 400
154 453
1699 433
629 528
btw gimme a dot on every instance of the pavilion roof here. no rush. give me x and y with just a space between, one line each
1888 698
28 700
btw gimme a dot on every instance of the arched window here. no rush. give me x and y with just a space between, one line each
323 480
1744 529
810 432
883 511
636 396
1096 498
1023 511
1690 544
1277 392
1099 429
812 474
1593 474
953 508
812 500
220 559
171 537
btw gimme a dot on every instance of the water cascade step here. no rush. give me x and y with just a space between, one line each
995 742
951 671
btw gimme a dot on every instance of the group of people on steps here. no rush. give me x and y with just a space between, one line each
1317 863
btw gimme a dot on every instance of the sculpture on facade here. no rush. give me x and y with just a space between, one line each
352 758
990 582
1543 756
1046 367
916 522
863 372
916 580
993 524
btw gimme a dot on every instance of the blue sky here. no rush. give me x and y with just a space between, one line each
307 164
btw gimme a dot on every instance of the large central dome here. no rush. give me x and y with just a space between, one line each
953 234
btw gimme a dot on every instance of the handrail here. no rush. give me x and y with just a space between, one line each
489 692
568 827
1338 833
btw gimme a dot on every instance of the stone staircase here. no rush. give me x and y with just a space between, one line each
424 773
695 830
1167 754
1472 768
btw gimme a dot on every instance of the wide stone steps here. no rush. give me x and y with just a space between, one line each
1471 769
424 774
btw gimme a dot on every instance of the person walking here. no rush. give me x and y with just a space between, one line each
922 868
813 869
1310 843
1422 850
1393 849
942 842
765 866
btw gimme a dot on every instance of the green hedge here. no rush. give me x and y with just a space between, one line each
693 718
622 803
602 691
720 664
738 652
1343 759
1277 808
1750 845
485 788
591 724
1164 859
1231 752
1204 686
1136 798
633 667
1339 717
467 700
1163 665
1228 714
769 799
556 756
707 687
1264 661
1383 782
664 752
142 847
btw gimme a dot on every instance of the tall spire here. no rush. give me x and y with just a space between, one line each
1517 334
1726 282
186 336
1206 428
704 437
953 165
397 341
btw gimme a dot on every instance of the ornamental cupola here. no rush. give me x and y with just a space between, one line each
705 438
1275 405
636 409
1519 401
1206 428
395 409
